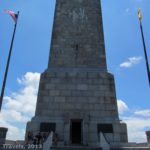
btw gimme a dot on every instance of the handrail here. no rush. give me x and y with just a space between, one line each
49 141
103 142
106 138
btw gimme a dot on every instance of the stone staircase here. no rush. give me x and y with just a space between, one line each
131 148
92 148
74 148
18 149
57 148
80 148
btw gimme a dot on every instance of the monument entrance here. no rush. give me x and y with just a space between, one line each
76 131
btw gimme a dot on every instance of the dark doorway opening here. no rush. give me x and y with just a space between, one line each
76 131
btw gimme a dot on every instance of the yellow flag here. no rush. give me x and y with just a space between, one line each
139 14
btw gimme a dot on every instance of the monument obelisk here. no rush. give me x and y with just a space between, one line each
77 97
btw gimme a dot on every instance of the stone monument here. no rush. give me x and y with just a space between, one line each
77 97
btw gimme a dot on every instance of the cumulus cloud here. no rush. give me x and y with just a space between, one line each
136 128
19 107
14 132
13 115
138 121
132 61
24 100
122 106
144 113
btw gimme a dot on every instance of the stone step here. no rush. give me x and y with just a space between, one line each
75 148
131 148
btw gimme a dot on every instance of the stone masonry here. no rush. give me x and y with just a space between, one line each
76 92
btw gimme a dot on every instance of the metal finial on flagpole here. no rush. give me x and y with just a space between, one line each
144 45
8 62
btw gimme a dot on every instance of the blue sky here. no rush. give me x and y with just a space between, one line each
125 59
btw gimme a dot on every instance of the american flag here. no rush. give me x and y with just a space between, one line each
12 14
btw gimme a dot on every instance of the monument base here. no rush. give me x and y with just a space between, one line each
78 104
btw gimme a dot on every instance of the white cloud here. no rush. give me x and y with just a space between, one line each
136 128
13 116
19 107
122 106
131 62
30 79
14 132
137 122
144 113
24 101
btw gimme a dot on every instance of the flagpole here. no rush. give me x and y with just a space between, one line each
145 52
7 65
